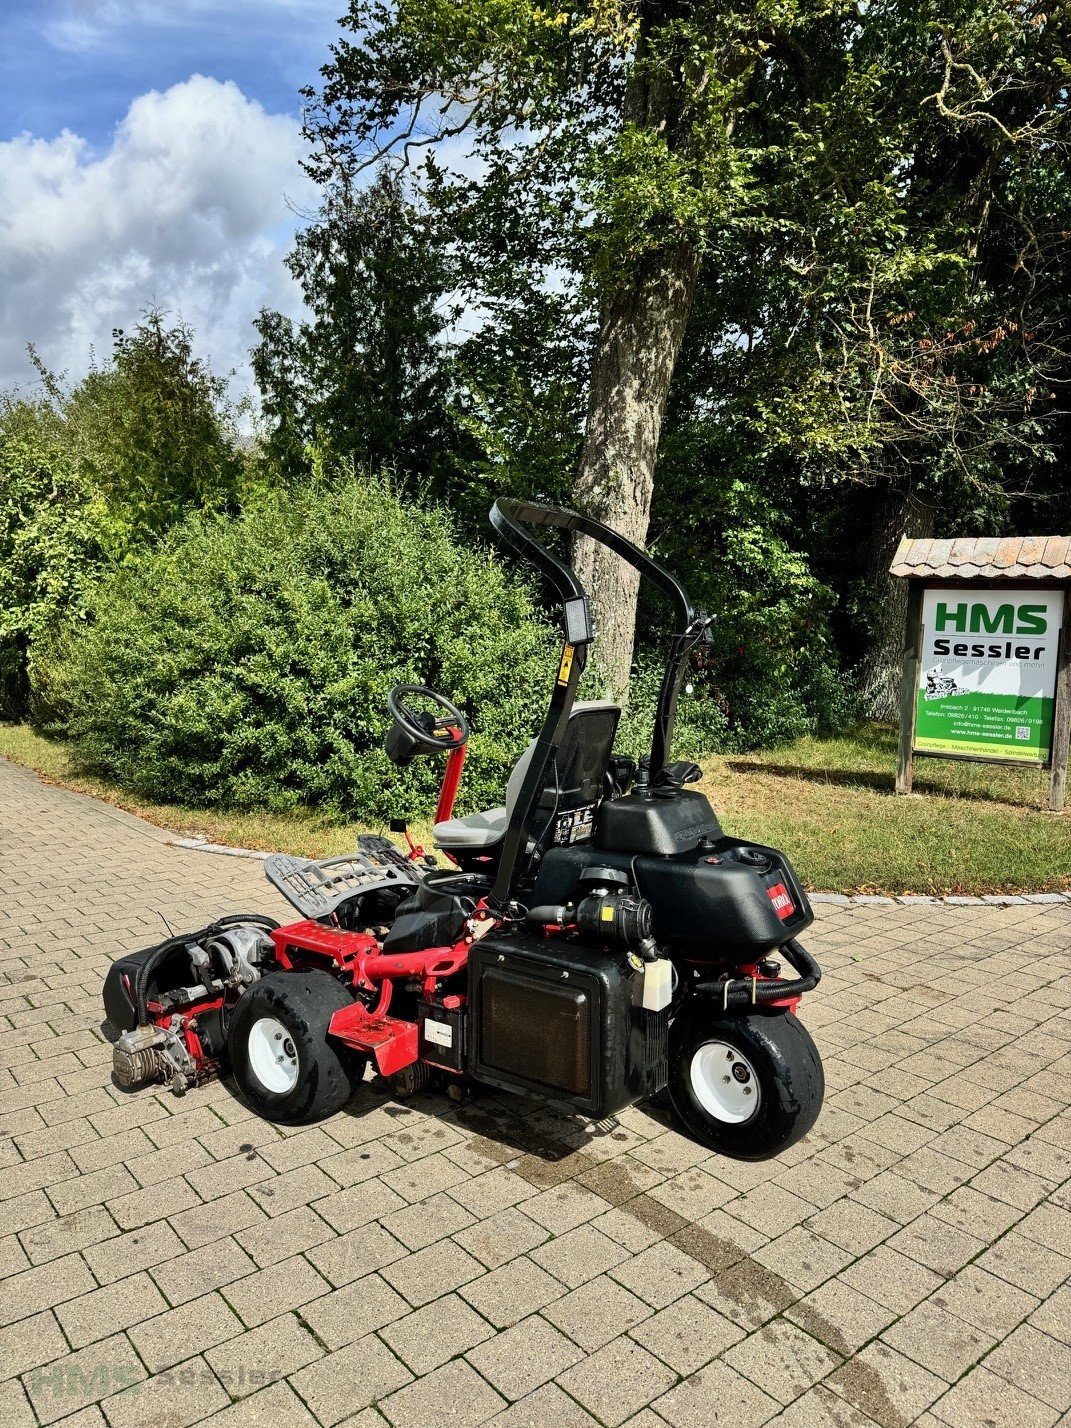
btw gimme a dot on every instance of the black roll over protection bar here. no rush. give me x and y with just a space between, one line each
509 517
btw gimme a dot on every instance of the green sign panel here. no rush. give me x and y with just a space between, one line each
988 676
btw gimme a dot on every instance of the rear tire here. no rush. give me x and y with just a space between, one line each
285 1065
748 1087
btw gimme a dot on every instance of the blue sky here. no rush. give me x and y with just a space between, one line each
77 64
149 154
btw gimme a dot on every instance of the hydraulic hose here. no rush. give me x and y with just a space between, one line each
164 949
744 992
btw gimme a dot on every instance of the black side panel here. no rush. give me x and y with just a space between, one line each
563 1021
537 1031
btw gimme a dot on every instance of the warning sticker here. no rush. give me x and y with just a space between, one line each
439 1033
576 826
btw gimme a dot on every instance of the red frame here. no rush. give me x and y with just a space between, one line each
391 1040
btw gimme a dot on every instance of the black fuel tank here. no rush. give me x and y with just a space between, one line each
723 901
663 822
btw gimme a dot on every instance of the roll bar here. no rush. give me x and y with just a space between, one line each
508 517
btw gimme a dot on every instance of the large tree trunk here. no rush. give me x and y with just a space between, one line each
640 336
897 514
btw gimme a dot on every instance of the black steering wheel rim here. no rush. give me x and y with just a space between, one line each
403 715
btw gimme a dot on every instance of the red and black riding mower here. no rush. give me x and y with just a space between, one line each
593 941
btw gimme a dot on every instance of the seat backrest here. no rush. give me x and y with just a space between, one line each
576 780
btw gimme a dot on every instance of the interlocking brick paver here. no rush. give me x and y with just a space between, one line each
66 1384
938 1340
436 1264
168 1338
509 1293
617 1380
30 1342
287 1285
179 1396
700 1401
349 1379
435 1333
982 1397
453 1395
524 1357
597 1312
687 1334
1036 1363
782 1359
272 1351
548 1405
104 1311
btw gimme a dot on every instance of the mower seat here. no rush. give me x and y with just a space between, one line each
486 829
475 830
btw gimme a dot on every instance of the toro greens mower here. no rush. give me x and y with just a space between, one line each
595 940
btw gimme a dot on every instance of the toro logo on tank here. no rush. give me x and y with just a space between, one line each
782 901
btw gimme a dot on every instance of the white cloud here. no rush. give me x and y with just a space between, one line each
187 209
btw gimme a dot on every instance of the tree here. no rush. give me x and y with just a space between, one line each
598 135
886 352
860 206
153 431
364 376
92 474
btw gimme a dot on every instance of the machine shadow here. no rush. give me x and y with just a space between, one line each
500 1127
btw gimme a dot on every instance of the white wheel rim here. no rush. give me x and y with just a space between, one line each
272 1055
724 1083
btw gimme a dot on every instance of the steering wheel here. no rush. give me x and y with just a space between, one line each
426 731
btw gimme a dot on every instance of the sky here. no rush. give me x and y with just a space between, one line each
150 156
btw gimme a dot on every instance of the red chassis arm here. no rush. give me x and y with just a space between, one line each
392 1041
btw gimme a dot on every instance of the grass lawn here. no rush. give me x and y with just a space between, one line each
969 828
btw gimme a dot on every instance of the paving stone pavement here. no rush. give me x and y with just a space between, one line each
171 1261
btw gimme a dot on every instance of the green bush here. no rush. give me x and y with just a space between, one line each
246 661
700 726
53 535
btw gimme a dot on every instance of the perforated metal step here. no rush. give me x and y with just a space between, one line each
317 889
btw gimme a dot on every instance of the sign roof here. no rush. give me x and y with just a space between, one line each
985 558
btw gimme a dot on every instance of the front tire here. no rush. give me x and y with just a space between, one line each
285 1065
748 1087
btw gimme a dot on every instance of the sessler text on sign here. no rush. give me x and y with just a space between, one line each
987 680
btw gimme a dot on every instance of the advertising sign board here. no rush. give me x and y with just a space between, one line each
987 676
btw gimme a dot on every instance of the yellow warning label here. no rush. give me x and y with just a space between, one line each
566 665
607 914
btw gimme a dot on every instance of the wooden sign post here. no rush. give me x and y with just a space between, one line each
987 654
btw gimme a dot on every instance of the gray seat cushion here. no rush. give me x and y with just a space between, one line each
475 830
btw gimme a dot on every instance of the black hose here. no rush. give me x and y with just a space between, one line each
742 991
164 949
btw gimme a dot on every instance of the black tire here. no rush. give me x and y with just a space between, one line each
771 1053
326 1074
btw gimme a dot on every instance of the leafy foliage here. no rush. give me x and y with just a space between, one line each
364 376
152 431
246 662
53 537
90 474
878 201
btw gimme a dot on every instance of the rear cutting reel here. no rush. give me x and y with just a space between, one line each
166 1006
